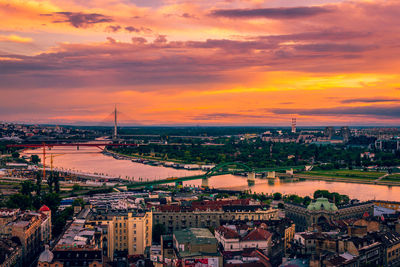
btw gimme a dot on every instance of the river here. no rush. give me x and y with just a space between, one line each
88 159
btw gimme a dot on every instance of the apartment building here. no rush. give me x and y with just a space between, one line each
128 233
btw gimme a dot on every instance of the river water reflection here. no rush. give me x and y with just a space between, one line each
88 159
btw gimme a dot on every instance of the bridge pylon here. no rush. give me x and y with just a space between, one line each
290 172
204 182
251 178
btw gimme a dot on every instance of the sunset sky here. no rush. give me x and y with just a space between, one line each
201 62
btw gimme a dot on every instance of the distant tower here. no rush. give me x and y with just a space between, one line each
115 122
345 132
329 132
293 125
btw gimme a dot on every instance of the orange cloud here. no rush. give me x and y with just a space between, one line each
201 62
15 39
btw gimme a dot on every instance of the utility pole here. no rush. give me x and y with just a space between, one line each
115 123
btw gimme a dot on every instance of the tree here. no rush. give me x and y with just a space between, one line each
36 202
321 193
306 200
158 231
76 187
56 182
50 181
295 199
19 201
59 220
277 196
78 202
35 159
15 155
38 183
52 200
27 187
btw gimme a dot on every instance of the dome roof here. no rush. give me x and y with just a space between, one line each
46 255
322 204
44 208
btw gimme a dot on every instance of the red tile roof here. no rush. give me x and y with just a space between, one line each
227 232
44 208
257 234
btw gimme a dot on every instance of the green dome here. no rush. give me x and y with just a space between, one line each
322 204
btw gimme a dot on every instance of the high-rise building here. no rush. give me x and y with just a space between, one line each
345 133
293 125
329 132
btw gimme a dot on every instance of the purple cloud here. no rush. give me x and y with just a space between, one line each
369 100
271 13
392 111
79 19
132 29
113 28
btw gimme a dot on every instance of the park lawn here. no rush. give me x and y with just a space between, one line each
346 174
392 178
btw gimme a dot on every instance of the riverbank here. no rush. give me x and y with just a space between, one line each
347 179
154 161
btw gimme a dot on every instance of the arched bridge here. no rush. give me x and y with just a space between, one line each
220 169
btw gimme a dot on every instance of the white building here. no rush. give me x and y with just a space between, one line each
235 240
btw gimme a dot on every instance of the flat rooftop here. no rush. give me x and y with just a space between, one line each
196 236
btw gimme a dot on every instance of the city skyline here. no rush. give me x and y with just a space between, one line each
244 62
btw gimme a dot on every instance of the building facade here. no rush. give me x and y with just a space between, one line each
322 211
231 240
27 228
127 233
178 220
